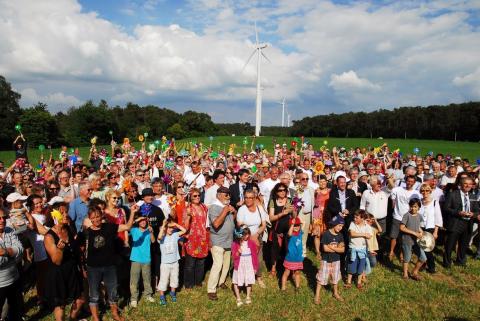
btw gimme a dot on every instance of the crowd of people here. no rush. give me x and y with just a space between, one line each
131 223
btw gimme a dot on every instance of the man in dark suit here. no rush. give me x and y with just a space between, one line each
240 186
462 212
342 201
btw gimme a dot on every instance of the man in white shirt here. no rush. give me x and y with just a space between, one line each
194 178
401 196
267 185
211 193
449 177
437 193
305 213
160 199
375 201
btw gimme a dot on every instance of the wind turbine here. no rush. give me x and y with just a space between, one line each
283 111
288 121
258 50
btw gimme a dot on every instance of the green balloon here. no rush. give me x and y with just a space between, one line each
110 132
108 159
157 142
151 147
41 147
18 127
145 135
72 150
254 169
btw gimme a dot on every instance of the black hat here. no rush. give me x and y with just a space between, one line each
147 192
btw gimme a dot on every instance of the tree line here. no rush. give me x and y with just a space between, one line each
77 125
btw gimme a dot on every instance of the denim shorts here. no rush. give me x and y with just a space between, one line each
407 252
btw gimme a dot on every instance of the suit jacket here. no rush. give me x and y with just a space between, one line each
235 193
351 203
453 205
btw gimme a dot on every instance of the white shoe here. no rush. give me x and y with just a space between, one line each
239 302
150 299
133 304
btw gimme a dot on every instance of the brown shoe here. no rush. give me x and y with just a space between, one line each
212 296
223 286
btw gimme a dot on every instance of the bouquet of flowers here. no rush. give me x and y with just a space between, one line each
297 203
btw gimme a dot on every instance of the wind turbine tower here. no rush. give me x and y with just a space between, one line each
258 50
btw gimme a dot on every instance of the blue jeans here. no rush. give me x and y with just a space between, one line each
372 259
407 252
107 274
357 266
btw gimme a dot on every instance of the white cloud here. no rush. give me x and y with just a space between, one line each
470 81
56 101
350 81
403 52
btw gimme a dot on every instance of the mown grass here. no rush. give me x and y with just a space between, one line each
463 149
447 295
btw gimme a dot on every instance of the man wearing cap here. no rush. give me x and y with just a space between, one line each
155 220
78 208
17 219
221 218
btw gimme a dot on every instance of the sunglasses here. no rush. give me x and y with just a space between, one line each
195 196
113 177
115 198
305 179
3 218
53 189
282 190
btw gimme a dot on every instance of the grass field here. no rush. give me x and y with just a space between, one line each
447 295
463 149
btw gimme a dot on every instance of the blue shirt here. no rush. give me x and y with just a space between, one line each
77 211
140 246
295 248
169 248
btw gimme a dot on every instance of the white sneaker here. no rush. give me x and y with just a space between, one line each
150 299
133 304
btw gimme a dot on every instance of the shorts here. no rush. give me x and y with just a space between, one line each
395 229
293 266
168 272
329 270
357 266
407 252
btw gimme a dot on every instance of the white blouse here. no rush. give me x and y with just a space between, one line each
431 215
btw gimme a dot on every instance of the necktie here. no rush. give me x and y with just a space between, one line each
466 202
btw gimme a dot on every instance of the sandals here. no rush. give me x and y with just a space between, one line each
338 298
347 285
248 300
239 302
416 277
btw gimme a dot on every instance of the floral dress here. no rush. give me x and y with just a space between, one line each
319 220
245 274
198 236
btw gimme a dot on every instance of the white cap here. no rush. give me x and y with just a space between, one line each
55 199
339 173
13 197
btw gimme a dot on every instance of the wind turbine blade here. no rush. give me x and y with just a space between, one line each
248 60
256 33
265 57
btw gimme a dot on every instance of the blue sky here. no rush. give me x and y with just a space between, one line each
326 56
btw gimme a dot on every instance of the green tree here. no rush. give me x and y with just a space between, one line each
10 112
176 131
39 126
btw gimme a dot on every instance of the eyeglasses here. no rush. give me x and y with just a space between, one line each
195 196
113 177
53 189
305 179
